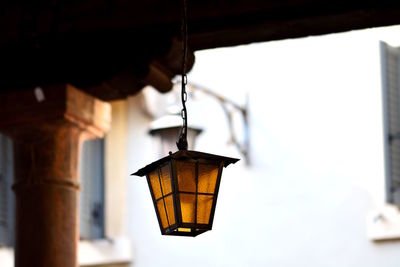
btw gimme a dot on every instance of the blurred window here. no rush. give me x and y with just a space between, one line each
6 194
91 198
390 64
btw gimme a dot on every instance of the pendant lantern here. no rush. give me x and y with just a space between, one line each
184 185
184 189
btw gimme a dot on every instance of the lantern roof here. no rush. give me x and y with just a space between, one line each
186 155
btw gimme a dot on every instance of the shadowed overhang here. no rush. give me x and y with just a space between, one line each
112 49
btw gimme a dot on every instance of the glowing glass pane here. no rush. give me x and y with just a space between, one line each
187 207
184 230
169 203
186 176
165 179
208 175
161 212
204 205
155 184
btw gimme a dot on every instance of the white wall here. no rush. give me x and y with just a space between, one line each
317 160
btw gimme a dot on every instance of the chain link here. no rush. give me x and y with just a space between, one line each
182 141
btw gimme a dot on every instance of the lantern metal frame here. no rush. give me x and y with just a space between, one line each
191 229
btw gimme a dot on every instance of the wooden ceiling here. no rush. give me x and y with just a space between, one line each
112 49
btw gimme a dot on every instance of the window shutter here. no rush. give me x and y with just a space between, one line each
6 194
92 194
390 62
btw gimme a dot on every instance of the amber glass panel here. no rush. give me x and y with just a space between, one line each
155 184
187 207
204 205
208 174
186 176
161 212
169 203
165 179
187 230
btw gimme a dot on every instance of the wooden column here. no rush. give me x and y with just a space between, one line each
48 126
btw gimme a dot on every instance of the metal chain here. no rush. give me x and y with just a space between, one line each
182 142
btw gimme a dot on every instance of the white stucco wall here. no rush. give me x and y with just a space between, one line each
316 149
